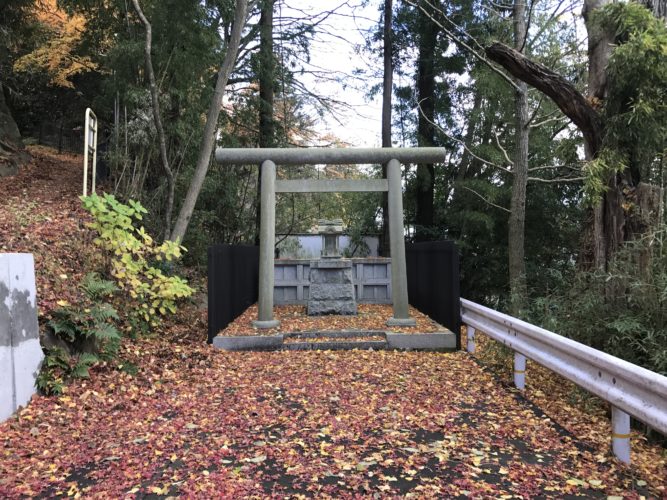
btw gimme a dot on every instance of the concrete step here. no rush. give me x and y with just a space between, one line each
339 340
376 345
336 341
337 335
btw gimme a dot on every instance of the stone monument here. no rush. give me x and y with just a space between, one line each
331 284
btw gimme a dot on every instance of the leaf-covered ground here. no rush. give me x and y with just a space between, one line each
40 213
293 318
201 423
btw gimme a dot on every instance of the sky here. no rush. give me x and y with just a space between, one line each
333 50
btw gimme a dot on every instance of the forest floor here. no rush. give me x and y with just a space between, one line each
198 422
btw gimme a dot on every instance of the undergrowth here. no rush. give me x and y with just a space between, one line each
90 331
622 311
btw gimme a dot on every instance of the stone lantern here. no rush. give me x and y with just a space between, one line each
330 231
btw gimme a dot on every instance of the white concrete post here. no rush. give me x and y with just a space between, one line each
519 371
471 339
267 237
20 350
399 279
620 437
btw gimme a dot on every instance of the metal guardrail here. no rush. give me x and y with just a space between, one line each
89 146
630 389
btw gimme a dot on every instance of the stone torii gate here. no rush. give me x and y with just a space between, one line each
268 158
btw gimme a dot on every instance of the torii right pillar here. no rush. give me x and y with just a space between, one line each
399 277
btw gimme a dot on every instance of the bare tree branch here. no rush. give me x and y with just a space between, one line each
456 39
155 100
485 199
557 180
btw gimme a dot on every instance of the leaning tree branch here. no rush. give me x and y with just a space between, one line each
157 118
570 101
488 202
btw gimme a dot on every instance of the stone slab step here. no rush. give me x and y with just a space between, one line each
339 334
376 345
340 340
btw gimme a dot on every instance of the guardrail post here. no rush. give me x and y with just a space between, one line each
620 437
471 339
519 371
267 238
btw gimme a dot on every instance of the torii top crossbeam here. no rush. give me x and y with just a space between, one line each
320 156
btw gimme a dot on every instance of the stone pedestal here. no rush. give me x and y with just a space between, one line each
331 288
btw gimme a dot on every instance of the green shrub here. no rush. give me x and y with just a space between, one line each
136 260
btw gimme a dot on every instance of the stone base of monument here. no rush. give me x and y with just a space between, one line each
331 288
340 340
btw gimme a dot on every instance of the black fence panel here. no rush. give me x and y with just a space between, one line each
233 283
433 282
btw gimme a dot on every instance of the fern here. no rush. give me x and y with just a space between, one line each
82 367
105 331
92 318
62 325
96 288
103 312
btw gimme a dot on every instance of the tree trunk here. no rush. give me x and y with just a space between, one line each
12 152
517 218
387 89
425 130
157 118
599 50
266 82
208 139
658 7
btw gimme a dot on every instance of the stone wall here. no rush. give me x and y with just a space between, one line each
20 351
371 278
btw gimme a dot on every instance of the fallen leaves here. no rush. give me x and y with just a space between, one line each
326 424
293 318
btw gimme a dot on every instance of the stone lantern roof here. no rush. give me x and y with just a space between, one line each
334 226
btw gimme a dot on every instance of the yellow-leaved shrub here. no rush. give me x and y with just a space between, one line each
135 257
